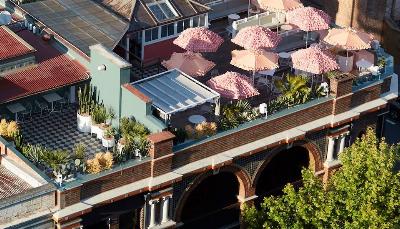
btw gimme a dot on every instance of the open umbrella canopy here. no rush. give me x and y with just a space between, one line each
254 60
233 85
198 39
190 63
309 19
349 39
256 37
277 5
314 60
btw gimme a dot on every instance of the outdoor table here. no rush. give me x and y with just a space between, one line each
196 119
51 98
15 108
286 28
268 72
233 17
284 55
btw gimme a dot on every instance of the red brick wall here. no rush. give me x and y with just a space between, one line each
160 50
116 179
257 132
69 197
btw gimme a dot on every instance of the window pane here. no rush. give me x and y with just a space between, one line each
167 11
157 12
164 31
154 33
171 29
147 35
180 26
202 20
195 21
186 23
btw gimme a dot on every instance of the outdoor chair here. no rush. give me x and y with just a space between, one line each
65 101
27 114
42 106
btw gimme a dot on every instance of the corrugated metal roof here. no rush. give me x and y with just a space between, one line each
11 184
53 70
173 91
11 46
81 22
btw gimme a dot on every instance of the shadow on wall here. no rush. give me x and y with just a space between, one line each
367 15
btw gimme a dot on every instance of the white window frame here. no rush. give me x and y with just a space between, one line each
176 34
168 4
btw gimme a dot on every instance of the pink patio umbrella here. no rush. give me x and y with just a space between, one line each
349 39
193 64
309 19
314 60
233 85
277 5
198 39
256 37
254 61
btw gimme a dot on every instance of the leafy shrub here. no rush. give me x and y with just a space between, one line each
237 113
80 151
101 162
10 131
201 130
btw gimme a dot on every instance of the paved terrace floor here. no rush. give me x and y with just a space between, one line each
59 131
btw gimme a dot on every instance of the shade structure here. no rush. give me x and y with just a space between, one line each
256 37
314 60
254 60
309 19
349 39
198 39
232 85
190 63
277 5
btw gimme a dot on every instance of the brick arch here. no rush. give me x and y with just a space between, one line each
245 189
314 155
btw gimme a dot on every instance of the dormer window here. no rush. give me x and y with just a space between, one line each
162 10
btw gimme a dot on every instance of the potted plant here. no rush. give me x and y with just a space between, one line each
108 137
99 116
381 64
86 100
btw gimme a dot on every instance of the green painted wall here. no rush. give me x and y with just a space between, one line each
134 106
108 82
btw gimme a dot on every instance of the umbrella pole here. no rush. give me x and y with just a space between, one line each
306 38
254 73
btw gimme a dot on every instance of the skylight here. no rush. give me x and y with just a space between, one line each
162 10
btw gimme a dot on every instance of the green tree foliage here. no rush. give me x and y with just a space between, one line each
364 193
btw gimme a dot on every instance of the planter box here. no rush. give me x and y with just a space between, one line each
94 129
345 63
84 123
108 142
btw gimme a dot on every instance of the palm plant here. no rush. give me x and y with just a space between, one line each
237 113
295 89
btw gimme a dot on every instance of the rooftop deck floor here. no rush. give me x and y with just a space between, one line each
59 131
